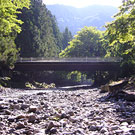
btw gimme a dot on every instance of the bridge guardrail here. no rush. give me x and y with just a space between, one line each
73 59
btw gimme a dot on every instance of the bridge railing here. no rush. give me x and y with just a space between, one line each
73 59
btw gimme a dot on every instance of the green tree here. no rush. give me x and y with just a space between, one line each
120 35
40 31
67 37
87 43
9 26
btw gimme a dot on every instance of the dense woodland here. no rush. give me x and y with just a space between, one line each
28 29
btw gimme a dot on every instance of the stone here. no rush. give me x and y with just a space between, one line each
73 119
94 128
12 119
103 130
53 124
2 124
71 113
53 131
24 106
32 118
124 124
21 116
64 115
20 125
33 109
114 127
15 106
7 112
20 101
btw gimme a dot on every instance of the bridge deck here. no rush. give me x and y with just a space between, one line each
68 64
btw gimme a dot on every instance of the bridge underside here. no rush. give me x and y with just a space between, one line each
67 66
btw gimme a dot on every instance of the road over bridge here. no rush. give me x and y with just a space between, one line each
67 64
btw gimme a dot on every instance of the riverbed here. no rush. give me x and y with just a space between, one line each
64 112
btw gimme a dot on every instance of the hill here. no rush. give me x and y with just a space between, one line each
77 18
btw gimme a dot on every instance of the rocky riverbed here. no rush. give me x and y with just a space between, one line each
81 112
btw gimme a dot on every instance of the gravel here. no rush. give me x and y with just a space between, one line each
78 112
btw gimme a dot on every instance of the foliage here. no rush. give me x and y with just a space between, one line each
76 76
120 35
4 81
9 25
39 85
86 43
8 51
40 31
67 37
8 17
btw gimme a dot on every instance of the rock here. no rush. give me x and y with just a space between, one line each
53 131
7 112
53 124
71 113
73 119
124 124
2 124
20 101
118 131
95 128
12 119
103 130
32 118
114 127
15 106
63 122
64 115
2 107
33 109
24 106
21 116
20 125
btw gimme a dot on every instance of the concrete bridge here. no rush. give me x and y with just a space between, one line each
67 64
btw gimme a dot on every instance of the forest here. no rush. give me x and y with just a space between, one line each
28 29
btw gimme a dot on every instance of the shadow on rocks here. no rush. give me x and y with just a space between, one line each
123 105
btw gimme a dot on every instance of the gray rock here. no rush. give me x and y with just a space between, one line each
73 119
53 124
32 118
33 109
53 131
24 106
7 112
15 106
12 119
114 127
95 128
103 130
20 125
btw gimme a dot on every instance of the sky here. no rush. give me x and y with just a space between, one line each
84 3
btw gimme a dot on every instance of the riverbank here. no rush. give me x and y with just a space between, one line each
85 112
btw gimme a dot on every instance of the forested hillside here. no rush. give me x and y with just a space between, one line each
77 18
40 31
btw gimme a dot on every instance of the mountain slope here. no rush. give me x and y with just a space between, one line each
77 18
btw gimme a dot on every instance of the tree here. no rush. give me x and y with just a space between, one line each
9 26
67 37
40 31
8 15
87 43
120 35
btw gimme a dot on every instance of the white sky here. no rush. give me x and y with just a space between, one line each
84 3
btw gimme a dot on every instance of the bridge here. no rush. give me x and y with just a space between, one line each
67 64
